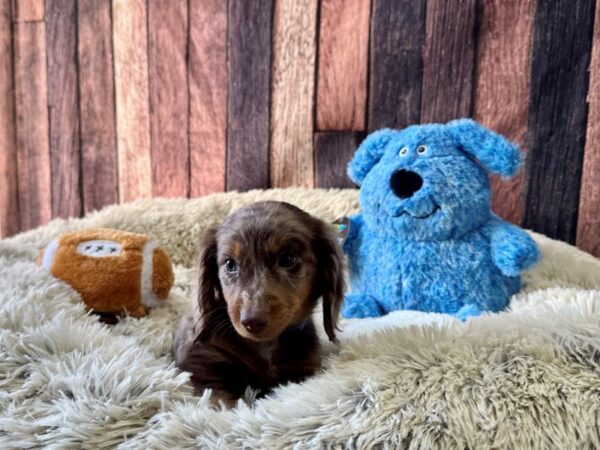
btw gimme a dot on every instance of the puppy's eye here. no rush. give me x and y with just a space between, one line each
231 266
287 260
403 151
421 149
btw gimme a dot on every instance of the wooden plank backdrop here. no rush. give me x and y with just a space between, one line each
208 95
502 87
106 101
130 40
10 220
560 59
65 165
98 130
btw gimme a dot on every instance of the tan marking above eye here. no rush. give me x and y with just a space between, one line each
274 244
236 250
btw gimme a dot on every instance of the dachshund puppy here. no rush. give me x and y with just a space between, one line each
261 275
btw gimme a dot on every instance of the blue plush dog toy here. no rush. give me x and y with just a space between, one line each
426 238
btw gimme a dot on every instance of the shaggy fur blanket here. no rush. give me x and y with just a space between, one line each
524 378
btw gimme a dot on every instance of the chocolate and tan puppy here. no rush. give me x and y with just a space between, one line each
260 277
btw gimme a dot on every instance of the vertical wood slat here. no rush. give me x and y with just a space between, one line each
342 64
130 41
28 10
396 63
561 51
502 88
333 151
169 99
449 59
207 73
63 111
9 193
31 105
249 52
294 54
97 105
588 223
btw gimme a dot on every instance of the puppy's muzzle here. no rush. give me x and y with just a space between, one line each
254 315
254 324
404 183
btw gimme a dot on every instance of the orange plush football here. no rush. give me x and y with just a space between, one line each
114 271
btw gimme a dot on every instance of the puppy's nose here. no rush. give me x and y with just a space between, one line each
254 324
404 183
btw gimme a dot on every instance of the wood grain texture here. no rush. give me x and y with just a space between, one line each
588 223
562 39
10 222
130 47
27 10
63 109
396 63
31 105
169 99
333 151
449 60
294 53
207 75
502 87
249 53
97 106
343 64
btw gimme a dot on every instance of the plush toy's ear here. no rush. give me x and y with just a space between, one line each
495 153
368 154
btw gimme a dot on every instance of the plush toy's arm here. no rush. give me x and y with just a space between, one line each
355 223
513 250
357 306
467 311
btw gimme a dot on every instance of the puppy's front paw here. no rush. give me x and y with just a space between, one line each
357 306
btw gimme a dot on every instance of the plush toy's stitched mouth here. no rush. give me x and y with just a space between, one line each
425 216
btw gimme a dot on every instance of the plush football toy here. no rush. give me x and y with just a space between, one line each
114 271
426 238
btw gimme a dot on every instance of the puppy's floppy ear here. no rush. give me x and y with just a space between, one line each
368 154
209 287
495 153
330 276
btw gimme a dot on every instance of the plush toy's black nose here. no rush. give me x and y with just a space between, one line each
405 183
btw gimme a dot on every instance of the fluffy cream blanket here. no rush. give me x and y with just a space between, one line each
528 377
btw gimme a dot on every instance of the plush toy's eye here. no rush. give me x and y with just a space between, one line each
421 149
287 260
231 266
403 151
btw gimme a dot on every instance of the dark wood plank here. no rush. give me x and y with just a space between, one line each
97 105
9 194
502 87
249 52
207 74
588 223
333 151
130 47
63 110
343 44
169 99
27 10
449 60
396 63
31 105
562 41
292 90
